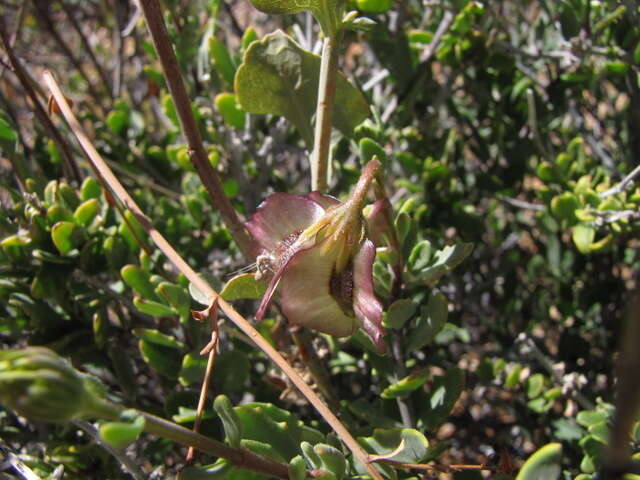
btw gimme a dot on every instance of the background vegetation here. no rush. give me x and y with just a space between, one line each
509 133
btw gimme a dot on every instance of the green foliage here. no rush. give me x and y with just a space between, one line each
278 77
505 128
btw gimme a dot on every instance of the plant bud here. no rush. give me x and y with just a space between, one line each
39 384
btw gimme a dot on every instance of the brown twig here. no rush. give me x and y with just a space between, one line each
197 153
71 169
211 350
202 285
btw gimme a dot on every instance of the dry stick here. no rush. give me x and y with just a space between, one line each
85 43
211 350
197 153
621 187
202 285
324 112
26 81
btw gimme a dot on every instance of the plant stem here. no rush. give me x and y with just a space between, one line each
180 264
324 113
240 457
197 153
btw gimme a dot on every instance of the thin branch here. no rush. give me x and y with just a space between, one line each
211 350
531 347
324 113
443 28
197 153
533 123
514 202
620 187
129 465
422 69
72 171
181 265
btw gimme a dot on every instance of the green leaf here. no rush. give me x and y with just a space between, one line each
420 255
66 236
222 60
177 297
564 207
7 133
587 418
327 12
280 78
583 236
264 449
374 6
432 320
193 368
121 434
164 360
232 371
444 394
86 212
118 121
444 261
398 444
244 286
199 296
404 387
535 384
268 424
139 281
369 148
157 338
90 189
155 309
297 468
331 459
228 107
543 464
230 420
399 312
513 377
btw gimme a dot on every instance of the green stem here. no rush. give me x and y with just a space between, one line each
324 113
240 457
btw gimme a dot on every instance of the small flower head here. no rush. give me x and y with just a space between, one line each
39 384
317 255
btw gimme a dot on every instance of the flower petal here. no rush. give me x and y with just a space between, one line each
280 215
322 199
306 292
366 305
378 221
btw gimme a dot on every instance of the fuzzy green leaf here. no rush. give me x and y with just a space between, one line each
280 78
